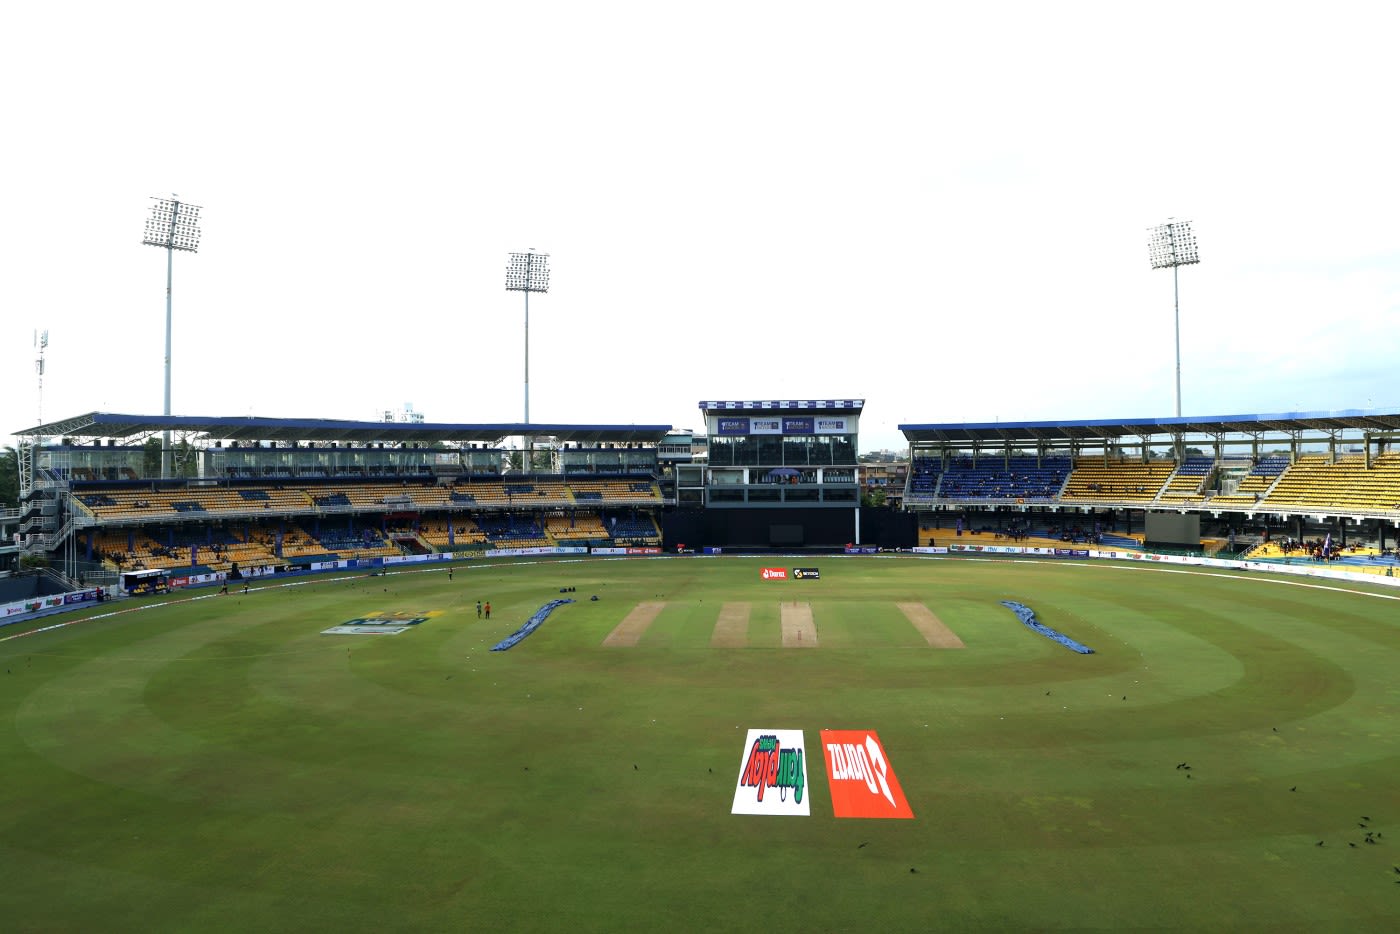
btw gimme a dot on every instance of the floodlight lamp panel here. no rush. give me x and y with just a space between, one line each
173 225
1172 244
527 272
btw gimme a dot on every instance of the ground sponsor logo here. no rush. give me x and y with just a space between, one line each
806 574
860 777
380 624
772 774
773 574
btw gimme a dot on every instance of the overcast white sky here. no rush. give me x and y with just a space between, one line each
939 208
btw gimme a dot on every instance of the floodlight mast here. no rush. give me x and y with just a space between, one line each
173 225
41 341
527 272
1173 244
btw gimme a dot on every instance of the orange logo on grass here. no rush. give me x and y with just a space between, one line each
859 775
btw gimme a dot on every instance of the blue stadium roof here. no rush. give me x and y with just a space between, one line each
1349 420
252 428
786 405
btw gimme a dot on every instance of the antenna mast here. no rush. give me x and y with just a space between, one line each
41 341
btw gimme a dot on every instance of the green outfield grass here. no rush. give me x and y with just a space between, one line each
218 764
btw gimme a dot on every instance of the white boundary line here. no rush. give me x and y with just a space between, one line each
1107 564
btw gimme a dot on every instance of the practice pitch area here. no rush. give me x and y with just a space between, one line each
1225 759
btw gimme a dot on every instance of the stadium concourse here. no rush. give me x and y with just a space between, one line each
261 495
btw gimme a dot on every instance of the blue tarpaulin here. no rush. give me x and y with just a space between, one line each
1027 616
531 624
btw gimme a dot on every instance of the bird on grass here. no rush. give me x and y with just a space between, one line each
1275 729
1352 845
863 845
634 767
1320 842
1364 817
912 869
1294 788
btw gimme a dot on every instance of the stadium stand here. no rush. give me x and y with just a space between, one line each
924 476
1096 479
1344 484
1014 479
1258 480
633 529
577 528
616 492
512 531
464 534
265 502
1187 482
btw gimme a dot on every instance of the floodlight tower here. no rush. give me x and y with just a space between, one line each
1173 244
527 272
41 341
173 225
